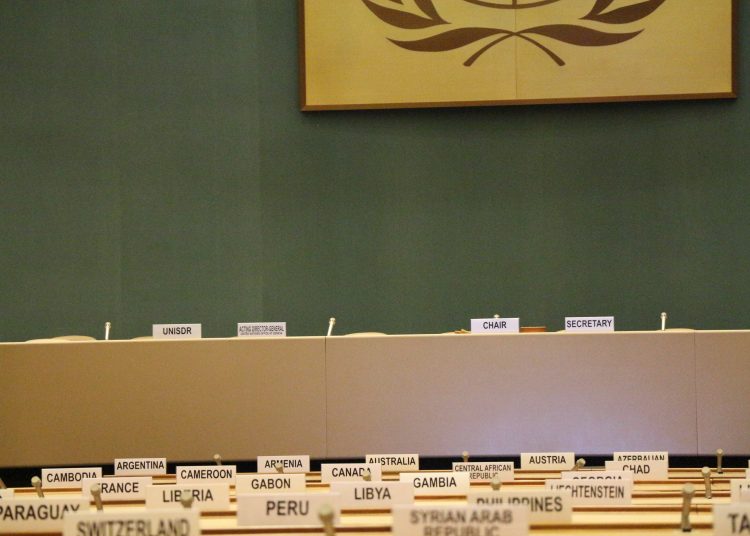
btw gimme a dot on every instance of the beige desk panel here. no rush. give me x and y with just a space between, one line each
79 403
488 394
723 390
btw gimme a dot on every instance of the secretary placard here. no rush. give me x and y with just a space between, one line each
589 323
261 329
176 331
495 325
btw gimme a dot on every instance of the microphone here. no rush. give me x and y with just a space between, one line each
331 323
107 327
96 492
663 321
37 483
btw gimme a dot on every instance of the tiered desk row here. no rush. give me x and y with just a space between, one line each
656 506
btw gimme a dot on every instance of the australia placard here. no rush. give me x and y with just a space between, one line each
297 509
261 329
589 323
69 477
546 507
485 471
373 494
331 472
135 522
205 473
473 519
495 325
270 483
586 492
118 488
176 331
547 461
206 497
731 519
437 483
140 466
287 464
394 463
37 515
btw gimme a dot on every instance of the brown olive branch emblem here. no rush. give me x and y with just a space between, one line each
452 39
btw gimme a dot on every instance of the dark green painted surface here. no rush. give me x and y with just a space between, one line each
155 167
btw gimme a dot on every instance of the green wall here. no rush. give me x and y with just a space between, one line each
155 167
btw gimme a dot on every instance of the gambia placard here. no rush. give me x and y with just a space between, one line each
437 483
297 509
140 466
288 464
546 507
589 323
261 329
118 488
495 325
182 522
586 492
271 483
373 494
206 497
205 473
485 471
37 515
330 472
475 520
547 461
176 331
68 477
395 463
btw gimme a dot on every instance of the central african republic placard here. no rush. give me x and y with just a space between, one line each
421 53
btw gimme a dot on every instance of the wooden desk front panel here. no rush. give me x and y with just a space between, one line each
489 394
80 403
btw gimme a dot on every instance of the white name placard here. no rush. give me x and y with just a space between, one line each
733 518
495 325
269 483
140 466
657 456
261 329
141 523
394 463
437 483
642 470
596 475
285 508
485 471
472 519
70 477
584 492
737 488
289 464
176 331
7 493
330 472
548 461
546 507
206 497
118 488
373 494
589 323
205 473
37 515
